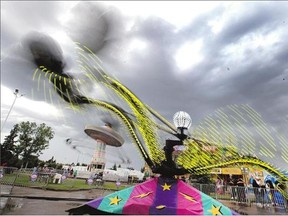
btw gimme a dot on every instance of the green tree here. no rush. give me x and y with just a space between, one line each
34 161
8 148
51 162
32 140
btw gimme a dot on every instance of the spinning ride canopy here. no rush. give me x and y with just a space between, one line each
159 195
105 134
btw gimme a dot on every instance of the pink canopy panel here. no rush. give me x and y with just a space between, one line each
161 195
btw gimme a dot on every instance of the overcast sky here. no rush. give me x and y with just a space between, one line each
191 56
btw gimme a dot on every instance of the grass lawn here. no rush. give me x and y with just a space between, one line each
77 184
23 179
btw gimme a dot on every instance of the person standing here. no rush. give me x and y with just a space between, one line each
75 173
219 186
232 186
241 191
256 189
269 196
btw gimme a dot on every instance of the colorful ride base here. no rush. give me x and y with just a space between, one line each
161 195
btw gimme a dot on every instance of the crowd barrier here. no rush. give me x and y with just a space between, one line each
248 196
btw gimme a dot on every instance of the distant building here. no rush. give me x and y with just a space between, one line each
244 172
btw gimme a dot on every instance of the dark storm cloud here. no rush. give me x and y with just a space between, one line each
8 38
249 80
21 17
254 81
156 65
94 25
253 18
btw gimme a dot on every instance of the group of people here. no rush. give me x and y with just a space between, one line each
266 193
70 172
237 189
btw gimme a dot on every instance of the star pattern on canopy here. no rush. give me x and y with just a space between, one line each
114 200
215 210
166 187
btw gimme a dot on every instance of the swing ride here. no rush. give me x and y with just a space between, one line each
163 194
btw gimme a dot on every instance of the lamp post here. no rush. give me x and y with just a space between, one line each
182 122
168 168
17 95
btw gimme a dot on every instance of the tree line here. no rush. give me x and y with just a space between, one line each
25 144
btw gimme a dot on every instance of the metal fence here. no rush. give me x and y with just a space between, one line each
262 197
272 198
26 177
21 177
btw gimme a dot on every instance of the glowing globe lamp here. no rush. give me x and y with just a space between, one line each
182 121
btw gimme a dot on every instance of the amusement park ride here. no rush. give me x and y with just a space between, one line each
104 135
161 195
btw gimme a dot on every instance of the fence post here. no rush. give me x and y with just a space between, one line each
18 170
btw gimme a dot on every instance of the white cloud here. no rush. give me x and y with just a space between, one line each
137 44
35 109
167 10
231 11
43 108
66 14
189 54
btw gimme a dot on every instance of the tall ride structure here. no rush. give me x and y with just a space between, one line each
104 135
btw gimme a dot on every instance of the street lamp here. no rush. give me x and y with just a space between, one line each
17 95
182 122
